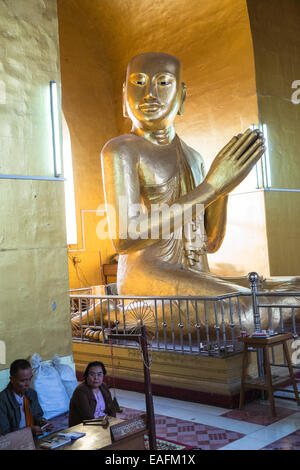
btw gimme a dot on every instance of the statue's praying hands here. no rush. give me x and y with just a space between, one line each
234 161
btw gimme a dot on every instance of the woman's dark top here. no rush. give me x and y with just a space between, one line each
83 404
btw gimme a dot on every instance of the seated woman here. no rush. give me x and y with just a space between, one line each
92 398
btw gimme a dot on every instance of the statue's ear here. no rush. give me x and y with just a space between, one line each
125 114
183 97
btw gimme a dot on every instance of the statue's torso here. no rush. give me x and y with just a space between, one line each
159 163
167 172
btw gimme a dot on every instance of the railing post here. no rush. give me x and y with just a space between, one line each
253 278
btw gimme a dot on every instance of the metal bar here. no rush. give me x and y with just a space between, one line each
294 323
223 323
108 315
278 294
232 325
206 326
281 320
87 311
164 324
180 325
199 297
189 325
156 323
197 326
102 322
172 325
217 327
282 330
277 306
178 297
116 316
124 319
270 324
239 313
253 278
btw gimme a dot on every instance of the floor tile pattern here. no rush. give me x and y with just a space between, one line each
258 414
186 432
289 442
200 426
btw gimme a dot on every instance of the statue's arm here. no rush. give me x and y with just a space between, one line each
120 169
215 220
120 174
121 190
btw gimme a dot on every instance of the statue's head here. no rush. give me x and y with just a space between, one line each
153 92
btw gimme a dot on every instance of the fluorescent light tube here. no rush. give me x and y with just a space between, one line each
55 129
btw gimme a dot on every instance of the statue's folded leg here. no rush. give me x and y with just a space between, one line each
167 280
163 279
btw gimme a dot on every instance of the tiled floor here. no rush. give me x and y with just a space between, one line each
193 434
213 428
258 413
210 428
290 442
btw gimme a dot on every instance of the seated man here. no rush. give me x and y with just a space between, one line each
19 405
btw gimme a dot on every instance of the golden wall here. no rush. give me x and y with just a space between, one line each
88 103
213 41
276 43
34 305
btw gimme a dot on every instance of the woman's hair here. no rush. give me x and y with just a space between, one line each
93 364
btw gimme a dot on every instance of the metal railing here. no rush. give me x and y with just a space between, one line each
185 324
74 303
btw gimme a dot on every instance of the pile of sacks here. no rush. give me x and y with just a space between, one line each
54 383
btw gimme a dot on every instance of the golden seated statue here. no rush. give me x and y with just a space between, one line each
152 166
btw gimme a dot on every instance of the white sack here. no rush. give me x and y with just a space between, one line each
67 375
47 383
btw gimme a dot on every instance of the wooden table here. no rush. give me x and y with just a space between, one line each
267 382
98 438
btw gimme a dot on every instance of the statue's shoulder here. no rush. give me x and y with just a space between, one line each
195 158
122 146
190 152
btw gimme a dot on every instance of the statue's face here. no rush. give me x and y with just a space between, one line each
153 90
